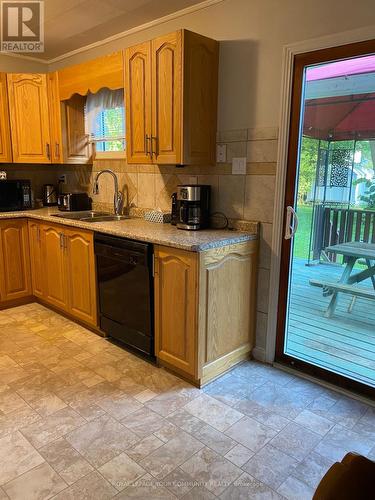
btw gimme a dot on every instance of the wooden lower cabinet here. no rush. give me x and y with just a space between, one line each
15 280
55 280
63 269
205 309
81 274
175 308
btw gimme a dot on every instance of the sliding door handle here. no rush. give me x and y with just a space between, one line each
291 224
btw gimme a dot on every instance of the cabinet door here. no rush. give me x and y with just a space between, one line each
81 275
5 144
15 262
55 117
76 143
138 103
29 118
167 98
175 308
36 258
54 265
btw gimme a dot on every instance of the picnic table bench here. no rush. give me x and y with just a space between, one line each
353 251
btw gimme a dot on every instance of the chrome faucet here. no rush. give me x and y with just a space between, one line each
117 198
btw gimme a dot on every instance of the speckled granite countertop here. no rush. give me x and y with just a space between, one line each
141 230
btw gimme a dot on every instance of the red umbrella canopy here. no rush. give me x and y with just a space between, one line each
340 100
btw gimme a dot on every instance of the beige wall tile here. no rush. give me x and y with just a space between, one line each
165 186
259 197
236 150
262 151
254 134
232 195
261 330
232 135
213 181
146 190
263 290
265 245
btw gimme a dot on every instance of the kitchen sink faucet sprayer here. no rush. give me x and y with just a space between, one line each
117 199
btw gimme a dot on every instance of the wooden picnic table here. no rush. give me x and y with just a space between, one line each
353 251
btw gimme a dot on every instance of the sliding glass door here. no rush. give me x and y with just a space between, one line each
326 322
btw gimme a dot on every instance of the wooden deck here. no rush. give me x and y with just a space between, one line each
343 344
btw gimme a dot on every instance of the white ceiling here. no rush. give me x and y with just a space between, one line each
71 24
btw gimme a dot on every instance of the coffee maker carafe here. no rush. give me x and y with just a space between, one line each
193 206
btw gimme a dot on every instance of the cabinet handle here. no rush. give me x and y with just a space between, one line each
48 151
153 138
61 241
38 234
148 152
57 150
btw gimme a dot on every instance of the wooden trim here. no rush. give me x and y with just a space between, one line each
222 365
7 304
91 76
298 63
5 139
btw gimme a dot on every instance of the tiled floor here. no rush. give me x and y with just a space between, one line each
81 418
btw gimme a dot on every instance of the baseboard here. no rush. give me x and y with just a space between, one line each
259 353
17 302
220 366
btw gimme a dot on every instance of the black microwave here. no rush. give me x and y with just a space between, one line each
15 194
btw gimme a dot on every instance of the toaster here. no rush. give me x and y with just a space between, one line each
71 202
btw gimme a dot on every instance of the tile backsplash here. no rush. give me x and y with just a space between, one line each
246 197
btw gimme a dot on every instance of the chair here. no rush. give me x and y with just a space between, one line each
351 479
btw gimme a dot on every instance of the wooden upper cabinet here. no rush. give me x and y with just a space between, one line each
183 99
55 118
5 142
166 98
14 260
91 76
81 274
137 64
29 118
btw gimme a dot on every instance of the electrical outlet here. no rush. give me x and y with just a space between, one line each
62 179
221 153
239 166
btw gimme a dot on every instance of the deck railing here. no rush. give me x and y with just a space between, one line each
333 225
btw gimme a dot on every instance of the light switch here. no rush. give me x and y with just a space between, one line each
221 153
239 166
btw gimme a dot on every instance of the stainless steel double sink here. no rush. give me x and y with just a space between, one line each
91 216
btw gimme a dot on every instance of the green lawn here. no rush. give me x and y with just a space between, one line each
302 237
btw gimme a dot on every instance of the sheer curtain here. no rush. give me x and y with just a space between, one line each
96 104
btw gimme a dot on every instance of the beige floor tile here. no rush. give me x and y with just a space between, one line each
175 452
48 405
251 433
215 472
199 493
121 471
101 440
52 427
294 489
146 487
144 447
40 483
144 422
17 456
314 422
170 401
179 482
89 487
249 488
120 407
270 466
145 396
15 420
213 412
239 455
296 441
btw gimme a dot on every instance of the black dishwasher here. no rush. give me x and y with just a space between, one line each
125 284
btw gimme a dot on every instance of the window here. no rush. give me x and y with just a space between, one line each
105 120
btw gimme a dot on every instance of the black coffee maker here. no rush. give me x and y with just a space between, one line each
191 206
